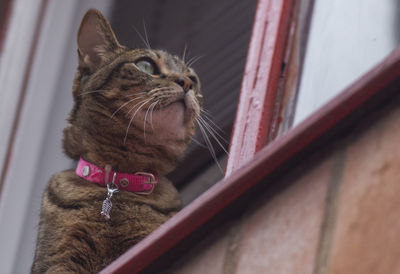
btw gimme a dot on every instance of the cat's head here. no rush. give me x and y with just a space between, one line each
133 107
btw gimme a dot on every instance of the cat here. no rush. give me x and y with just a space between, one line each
134 113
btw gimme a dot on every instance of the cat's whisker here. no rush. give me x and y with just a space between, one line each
193 60
141 37
93 91
146 36
154 90
130 121
133 116
124 104
144 121
135 94
190 60
132 108
198 143
173 96
151 114
205 111
142 105
209 145
210 123
207 140
208 116
211 132
144 126
184 53
170 95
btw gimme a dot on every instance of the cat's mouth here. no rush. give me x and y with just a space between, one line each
167 103
190 107
184 105
170 102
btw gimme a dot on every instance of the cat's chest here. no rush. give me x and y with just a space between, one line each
80 200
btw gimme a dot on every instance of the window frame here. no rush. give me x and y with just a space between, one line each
259 90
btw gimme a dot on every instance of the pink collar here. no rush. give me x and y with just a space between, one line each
140 182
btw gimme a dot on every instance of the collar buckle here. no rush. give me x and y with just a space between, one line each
151 180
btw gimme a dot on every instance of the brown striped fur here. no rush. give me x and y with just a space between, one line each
105 127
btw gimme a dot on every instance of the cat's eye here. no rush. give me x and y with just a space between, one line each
146 66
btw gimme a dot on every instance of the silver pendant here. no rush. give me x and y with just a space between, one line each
105 210
111 189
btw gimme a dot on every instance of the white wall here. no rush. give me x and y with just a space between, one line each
37 151
347 38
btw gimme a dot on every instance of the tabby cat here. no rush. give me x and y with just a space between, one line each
134 111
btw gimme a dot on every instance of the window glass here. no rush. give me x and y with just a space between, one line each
347 38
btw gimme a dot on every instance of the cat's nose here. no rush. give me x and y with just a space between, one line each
184 82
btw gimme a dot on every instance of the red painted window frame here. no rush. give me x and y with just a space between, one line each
259 88
250 160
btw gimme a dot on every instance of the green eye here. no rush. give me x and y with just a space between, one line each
146 66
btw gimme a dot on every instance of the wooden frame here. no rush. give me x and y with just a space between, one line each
260 82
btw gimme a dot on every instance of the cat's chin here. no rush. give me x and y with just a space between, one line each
171 120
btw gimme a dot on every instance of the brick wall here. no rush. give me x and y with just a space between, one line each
338 212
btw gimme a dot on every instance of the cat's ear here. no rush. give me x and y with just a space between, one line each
96 40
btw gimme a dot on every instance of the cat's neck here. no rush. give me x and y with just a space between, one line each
133 156
128 164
